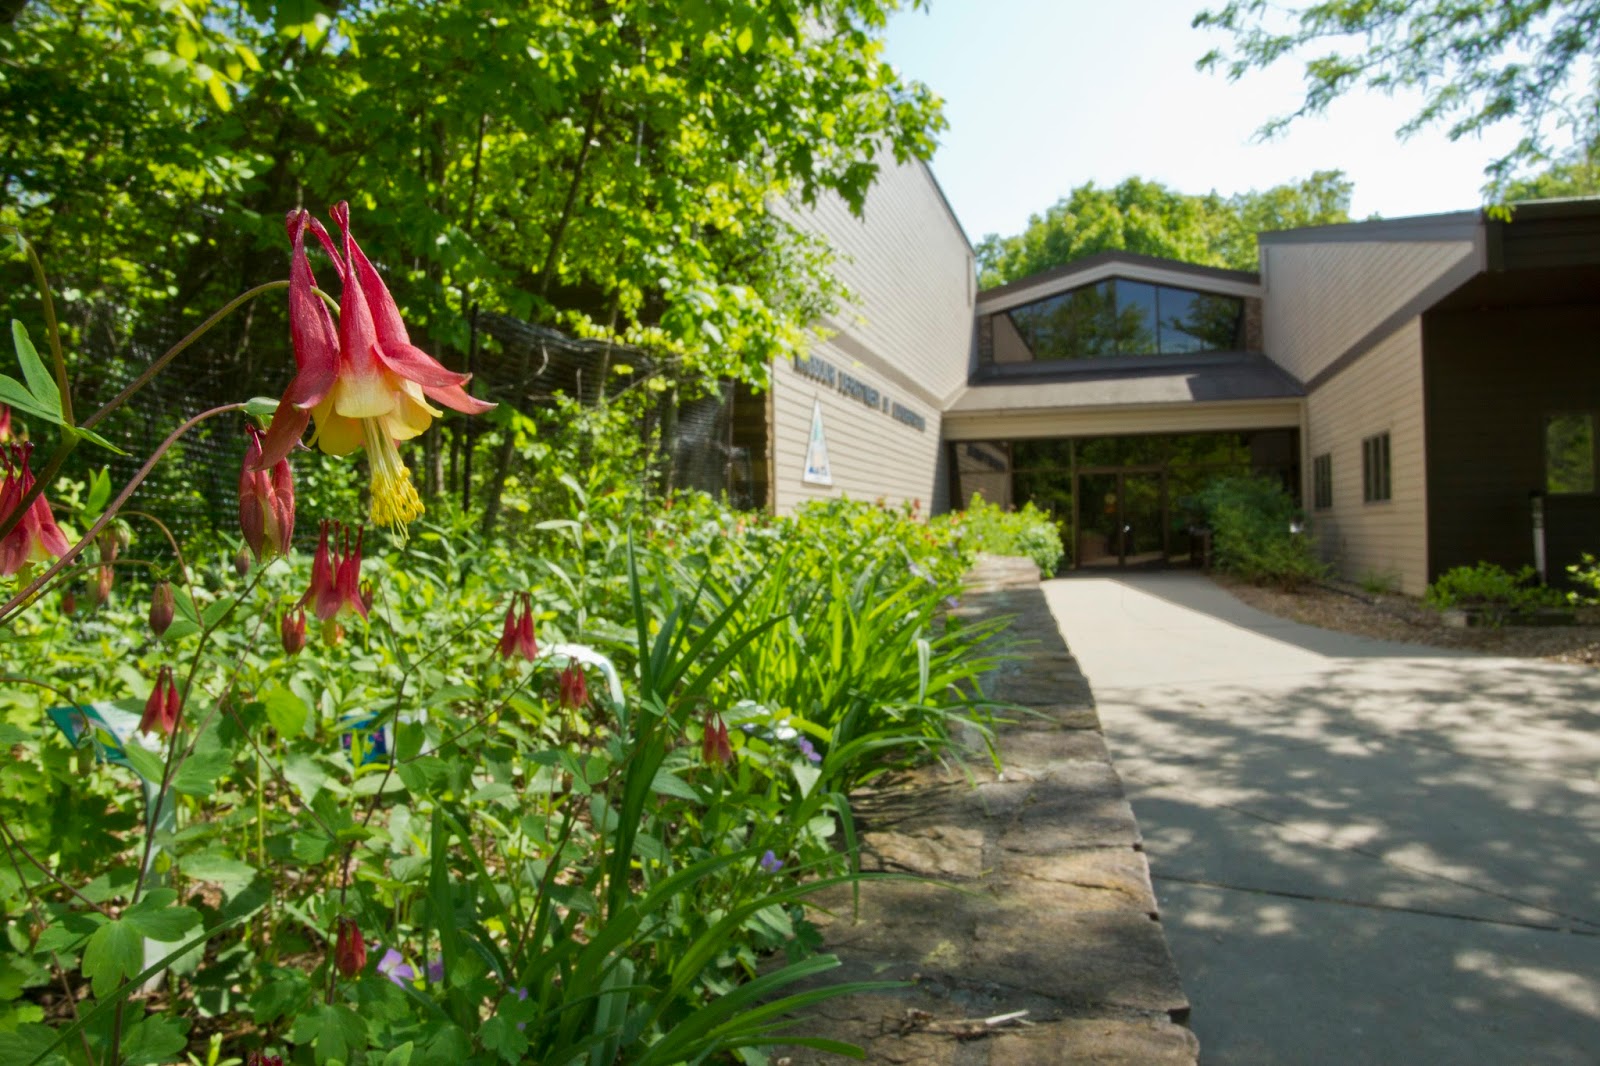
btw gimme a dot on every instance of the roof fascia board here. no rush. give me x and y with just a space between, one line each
1457 225
1282 413
1175 276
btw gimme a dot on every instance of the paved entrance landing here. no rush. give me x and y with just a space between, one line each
1364 852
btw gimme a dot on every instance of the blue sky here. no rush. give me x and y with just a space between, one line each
1044 95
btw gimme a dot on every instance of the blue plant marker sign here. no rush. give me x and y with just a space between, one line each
374 746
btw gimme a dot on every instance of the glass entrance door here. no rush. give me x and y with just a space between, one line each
1122 518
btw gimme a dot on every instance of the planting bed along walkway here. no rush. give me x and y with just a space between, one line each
1045 905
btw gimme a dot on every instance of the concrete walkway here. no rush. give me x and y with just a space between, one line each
1364 852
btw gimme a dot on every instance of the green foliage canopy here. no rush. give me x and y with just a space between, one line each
610 168
1476 63
1149 218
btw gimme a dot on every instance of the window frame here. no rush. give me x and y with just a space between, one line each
1322 481
1377 470
1594 452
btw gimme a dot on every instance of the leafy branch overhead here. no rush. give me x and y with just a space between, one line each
1476 64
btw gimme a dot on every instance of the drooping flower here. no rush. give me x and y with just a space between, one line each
292 631
162 709
349 950
367 592
572 687
162 606
516 635
336 574
715 750
5 424
771 863
266 502
36 538
393 965
366 385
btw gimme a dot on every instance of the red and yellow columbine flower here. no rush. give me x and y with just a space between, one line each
349 949
336 574
36 538
572 687
5 424
266 503
162 709
715 749
366 384
516 635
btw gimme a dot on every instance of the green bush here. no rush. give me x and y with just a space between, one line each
1586 574
1494 589
1253 532
1028 533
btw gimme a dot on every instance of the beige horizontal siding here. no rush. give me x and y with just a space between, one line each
1382 391
1324 298
911 272
870 454
1118 421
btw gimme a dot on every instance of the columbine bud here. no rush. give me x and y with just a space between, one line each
266 502
366 593
349 951
69 602
100 587
162 606
573 687
293 631
516 635
241 562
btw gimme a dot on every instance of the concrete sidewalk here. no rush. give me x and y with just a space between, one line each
1364 852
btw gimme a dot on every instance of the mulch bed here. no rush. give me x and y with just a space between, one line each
1391 616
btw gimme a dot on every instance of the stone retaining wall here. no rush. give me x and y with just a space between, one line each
1044 906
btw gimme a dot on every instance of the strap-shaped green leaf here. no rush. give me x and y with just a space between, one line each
40 382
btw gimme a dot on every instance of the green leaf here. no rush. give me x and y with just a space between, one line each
15 394
306 774
213 867
146 763
114 953
40 382
261 406
156 1039
199 772
215 611
287 712
333 1028
399 1056
156 916
667 783
99 493
94 438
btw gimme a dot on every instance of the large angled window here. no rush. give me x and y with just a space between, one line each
1109 318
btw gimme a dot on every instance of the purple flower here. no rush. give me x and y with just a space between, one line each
394 966
522 994
771 863
951 602
807 750
436 971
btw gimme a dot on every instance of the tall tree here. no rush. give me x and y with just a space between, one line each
604 166
1151 219
1477 63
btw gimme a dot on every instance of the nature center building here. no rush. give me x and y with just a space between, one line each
1427 387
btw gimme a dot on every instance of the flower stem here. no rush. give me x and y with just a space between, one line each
21 599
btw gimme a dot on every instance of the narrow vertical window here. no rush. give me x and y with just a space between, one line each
1322 482
1569 453
1375 484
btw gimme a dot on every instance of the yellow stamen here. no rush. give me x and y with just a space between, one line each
394 499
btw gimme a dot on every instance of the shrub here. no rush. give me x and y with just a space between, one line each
1029 532
1493 588
1586 574
1254 525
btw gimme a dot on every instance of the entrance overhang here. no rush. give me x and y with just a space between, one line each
1020 423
